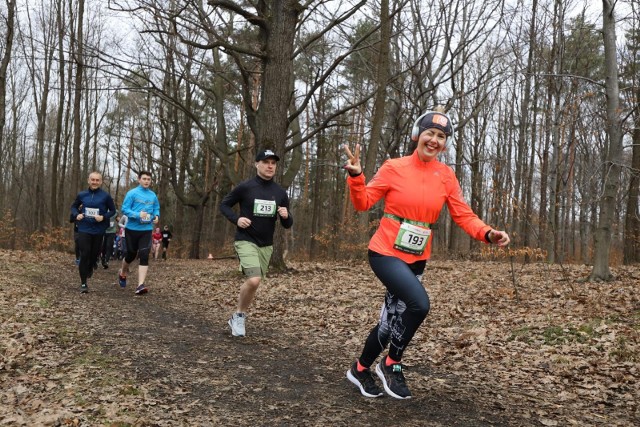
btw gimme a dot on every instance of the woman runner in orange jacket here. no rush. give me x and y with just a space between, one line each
415 189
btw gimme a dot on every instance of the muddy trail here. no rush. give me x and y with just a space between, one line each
167 358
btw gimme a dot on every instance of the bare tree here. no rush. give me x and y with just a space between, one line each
40 64
522 185
612 165
631 249
4 65
78 50
7 50
57 144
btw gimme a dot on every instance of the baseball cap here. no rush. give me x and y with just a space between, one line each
265 154
438 121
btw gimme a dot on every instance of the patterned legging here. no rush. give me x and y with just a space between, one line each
406 305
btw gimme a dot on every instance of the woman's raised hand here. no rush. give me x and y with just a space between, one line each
353 164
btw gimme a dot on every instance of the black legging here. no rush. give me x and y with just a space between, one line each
405 307
107 247
75 243
138 245
89 245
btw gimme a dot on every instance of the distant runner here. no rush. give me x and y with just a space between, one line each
106 250
166 238
156 238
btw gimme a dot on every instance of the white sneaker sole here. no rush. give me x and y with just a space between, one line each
355 381
233 331
386 387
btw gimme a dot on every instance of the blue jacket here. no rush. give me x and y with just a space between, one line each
136 201
90 202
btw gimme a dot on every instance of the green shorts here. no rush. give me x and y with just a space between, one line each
254 260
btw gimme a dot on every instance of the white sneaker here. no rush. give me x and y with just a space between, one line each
237 324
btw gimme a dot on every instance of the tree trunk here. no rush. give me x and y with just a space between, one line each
382 76
196 230
544 179
555 90
632 217
317 191
272 114
521 184
602 243
77 125
631 246
4 65
530 230
272 123
456 234
56 217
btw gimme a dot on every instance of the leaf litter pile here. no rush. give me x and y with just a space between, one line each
528 345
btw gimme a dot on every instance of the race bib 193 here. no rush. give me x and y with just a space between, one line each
264 207
412 238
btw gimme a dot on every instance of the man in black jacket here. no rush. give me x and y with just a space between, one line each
262 202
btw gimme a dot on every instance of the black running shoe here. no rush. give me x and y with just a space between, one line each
141 289
364 381
84 288
393 379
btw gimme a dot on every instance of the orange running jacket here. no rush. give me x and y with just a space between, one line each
413 190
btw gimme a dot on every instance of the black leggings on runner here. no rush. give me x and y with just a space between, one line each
77 246
405 307
89 245
107 247
138 244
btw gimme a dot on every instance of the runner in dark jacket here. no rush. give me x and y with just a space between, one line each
262 202
166 238
92 210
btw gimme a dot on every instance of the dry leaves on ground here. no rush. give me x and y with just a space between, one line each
545 349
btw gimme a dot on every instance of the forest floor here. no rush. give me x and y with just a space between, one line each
530 345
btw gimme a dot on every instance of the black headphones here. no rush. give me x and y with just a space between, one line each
415 131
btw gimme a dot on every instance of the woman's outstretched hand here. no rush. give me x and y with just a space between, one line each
499 238
353 164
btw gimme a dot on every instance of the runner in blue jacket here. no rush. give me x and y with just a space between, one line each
142 209
92 209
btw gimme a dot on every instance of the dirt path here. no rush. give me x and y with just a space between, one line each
167 358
